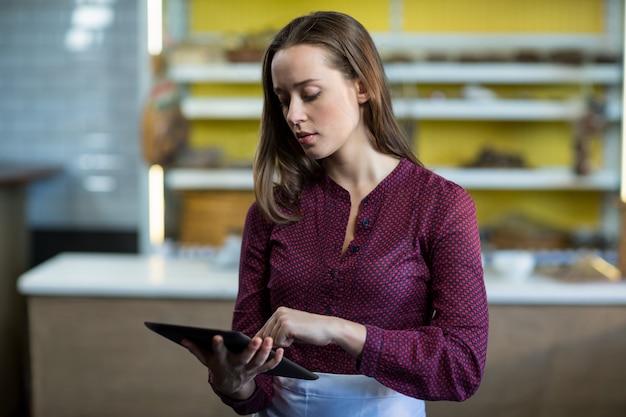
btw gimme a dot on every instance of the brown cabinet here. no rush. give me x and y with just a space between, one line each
94 357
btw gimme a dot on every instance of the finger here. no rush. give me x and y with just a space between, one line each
262 354
224 358
278 357
188 344
250 351
266 330
261 332
269 329
282 334
219 350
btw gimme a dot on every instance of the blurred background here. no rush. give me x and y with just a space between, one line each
129 126
532 91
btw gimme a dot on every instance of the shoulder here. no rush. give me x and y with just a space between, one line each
422 182
429 195
255 220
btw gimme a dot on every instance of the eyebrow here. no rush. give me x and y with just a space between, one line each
298 84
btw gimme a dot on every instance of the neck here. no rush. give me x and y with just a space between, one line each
360 172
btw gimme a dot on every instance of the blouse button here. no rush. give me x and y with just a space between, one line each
333 274
354 249
365 223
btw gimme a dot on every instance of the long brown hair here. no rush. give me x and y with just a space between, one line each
281 167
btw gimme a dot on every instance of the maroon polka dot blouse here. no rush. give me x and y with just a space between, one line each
412 275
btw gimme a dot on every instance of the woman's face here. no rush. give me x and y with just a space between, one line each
320 105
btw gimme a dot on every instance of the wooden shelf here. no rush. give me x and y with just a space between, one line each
245 108
549 178
222 108
243 73
487 109
208 179
502 73
426 73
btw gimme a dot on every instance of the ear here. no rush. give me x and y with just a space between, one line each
363 95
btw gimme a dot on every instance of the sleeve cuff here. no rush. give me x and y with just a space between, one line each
368 363
242 406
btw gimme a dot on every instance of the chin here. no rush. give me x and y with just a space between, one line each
315 155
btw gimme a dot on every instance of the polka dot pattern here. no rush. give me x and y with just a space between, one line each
412 275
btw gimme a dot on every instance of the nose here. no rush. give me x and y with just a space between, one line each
295 112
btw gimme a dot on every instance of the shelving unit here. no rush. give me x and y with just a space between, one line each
549 178
547 91
420 73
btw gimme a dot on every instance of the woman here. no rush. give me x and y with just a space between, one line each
357 262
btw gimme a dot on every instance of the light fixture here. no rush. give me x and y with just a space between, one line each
155 26
156 205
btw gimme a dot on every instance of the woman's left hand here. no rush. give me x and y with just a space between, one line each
287 326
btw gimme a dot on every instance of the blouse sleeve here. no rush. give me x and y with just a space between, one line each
252 307
445 359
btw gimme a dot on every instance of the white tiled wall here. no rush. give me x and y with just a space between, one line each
69 95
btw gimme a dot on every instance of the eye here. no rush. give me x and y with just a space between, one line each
311 97
282 102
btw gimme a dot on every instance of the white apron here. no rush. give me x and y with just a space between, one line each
339 396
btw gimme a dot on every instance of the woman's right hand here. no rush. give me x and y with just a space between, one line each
233 373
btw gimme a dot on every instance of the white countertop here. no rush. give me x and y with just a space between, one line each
143 276
122 275
546 291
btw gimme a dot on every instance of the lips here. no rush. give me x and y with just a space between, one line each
305 138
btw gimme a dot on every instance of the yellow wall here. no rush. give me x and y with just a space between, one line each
436 142
254 15
484 16
504 16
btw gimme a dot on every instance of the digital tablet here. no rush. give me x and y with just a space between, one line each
236 342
